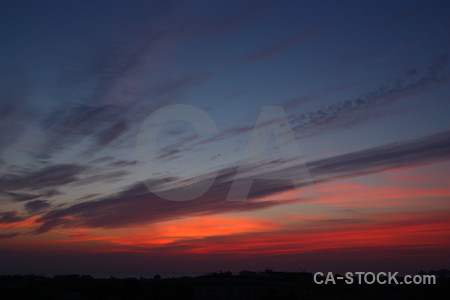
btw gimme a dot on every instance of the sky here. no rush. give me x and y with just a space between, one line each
185 137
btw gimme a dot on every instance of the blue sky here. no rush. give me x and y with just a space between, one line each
364 85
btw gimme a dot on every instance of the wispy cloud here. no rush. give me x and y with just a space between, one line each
419 151
354 112
110 176
278 48
36 205
10 217
65 127
137 205
42 179
37 186
296 101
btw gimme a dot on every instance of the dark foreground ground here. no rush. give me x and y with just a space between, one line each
246 285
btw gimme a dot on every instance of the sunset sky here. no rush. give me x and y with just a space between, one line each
361 87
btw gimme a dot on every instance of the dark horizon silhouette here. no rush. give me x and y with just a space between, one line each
223 285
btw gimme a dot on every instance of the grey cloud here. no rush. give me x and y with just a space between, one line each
19 197
67 126
113 79
419 151
87 197
102 177
111 133
105 123
123 163
43 179
102 160
36 205
137 205
10 217
277 48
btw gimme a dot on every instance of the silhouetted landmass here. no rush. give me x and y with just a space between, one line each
247 285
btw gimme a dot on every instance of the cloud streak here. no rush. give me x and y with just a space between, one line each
351 113
42 179
429 149
36 206
137 205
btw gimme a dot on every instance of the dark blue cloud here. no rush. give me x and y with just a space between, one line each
36 205
10 217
